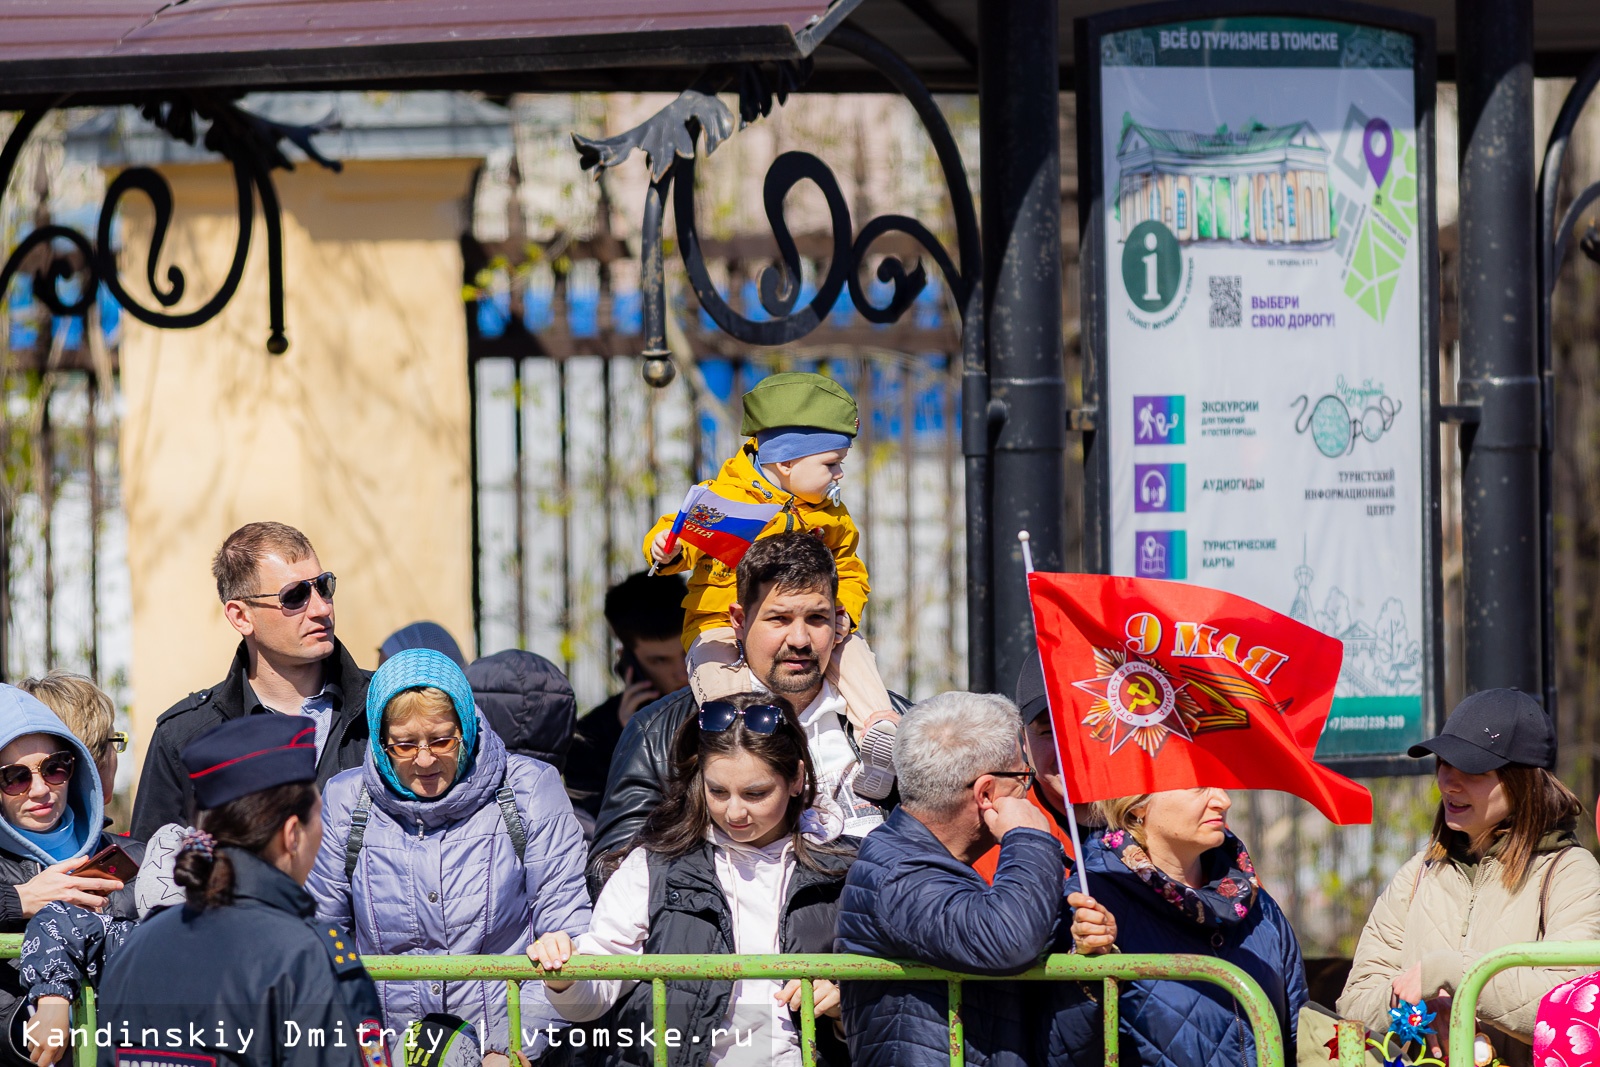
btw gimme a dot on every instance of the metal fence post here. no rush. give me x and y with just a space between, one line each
1500 498
1020 117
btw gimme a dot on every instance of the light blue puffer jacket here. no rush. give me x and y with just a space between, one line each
442 876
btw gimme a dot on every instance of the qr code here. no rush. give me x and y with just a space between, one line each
1226 300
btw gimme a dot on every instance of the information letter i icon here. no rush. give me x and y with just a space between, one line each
1152 260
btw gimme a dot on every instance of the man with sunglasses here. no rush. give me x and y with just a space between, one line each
785 617
277 596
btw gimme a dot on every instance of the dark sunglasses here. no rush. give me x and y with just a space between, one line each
296 595
717 715
17 778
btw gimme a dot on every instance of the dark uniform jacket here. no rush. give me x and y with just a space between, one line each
188 988
640 768
165 795
689 914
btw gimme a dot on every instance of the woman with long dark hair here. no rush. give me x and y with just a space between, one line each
739 857
243 973
1503 866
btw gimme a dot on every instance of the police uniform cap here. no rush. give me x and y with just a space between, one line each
799 399
247 755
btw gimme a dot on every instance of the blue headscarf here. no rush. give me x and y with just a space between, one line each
417 668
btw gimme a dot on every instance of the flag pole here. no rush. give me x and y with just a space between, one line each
672 534
1061 763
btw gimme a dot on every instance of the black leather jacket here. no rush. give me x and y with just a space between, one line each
640 768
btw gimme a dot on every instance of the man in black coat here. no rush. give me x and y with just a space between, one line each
275 593
786 618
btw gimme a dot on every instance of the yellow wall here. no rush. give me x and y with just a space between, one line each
359 435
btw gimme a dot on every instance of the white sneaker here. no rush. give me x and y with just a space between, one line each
875 777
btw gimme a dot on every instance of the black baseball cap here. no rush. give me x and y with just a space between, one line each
1491 729
1032 700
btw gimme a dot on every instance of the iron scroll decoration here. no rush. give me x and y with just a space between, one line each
251 144
669 140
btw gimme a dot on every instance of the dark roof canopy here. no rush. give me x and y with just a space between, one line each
103 51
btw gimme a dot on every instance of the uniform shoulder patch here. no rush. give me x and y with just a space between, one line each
341 947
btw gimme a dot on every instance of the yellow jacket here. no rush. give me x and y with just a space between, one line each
711 584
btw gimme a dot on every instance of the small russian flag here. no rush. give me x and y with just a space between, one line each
723 529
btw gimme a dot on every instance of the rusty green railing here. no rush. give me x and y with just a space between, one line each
1464 1004
1107 970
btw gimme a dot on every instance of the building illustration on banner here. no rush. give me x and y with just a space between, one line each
1380 659
1256 187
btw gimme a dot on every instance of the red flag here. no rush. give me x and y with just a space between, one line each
1162 685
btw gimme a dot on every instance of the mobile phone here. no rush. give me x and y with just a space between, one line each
110 862
628 667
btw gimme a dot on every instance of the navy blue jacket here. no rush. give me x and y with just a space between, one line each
908 898
1179 1024
188 987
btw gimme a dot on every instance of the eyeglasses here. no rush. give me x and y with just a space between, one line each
296 595
1027 778
406 751
717 715
118 741
17 778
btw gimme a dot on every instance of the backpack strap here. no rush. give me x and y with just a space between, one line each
358 832
504 796
1544 889
509 814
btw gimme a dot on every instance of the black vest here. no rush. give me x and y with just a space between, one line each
689 914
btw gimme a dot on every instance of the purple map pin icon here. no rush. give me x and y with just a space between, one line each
1377 142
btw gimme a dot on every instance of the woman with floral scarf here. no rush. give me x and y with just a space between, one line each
1177 880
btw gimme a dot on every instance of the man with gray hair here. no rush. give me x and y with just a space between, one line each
912 893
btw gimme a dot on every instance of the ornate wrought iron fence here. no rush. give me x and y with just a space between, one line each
576 456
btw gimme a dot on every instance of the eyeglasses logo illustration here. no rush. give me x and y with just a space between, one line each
1334 426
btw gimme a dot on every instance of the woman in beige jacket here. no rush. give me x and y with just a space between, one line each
1503 867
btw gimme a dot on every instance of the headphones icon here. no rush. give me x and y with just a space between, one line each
1153 489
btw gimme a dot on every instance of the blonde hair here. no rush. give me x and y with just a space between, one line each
426 700
78 702
1118 813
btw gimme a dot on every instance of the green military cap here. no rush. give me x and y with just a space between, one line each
799 399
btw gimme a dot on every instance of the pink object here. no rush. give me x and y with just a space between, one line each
1567 1033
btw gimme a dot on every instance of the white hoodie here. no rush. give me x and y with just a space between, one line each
756 883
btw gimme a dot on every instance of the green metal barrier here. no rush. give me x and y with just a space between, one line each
658 970
1108 970
1464 1006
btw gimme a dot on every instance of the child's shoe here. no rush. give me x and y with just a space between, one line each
875 778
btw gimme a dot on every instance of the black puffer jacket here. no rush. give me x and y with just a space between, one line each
689 914
529 703
640 769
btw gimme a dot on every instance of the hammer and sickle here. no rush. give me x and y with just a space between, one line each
1142 691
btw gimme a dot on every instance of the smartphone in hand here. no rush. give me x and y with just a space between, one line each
110 863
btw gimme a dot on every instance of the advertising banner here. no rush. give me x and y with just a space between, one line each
1264 345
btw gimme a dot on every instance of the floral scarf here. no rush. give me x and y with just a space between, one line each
1231 883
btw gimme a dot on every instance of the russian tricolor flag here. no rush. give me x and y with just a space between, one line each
723 529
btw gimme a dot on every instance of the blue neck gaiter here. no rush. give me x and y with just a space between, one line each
60 843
